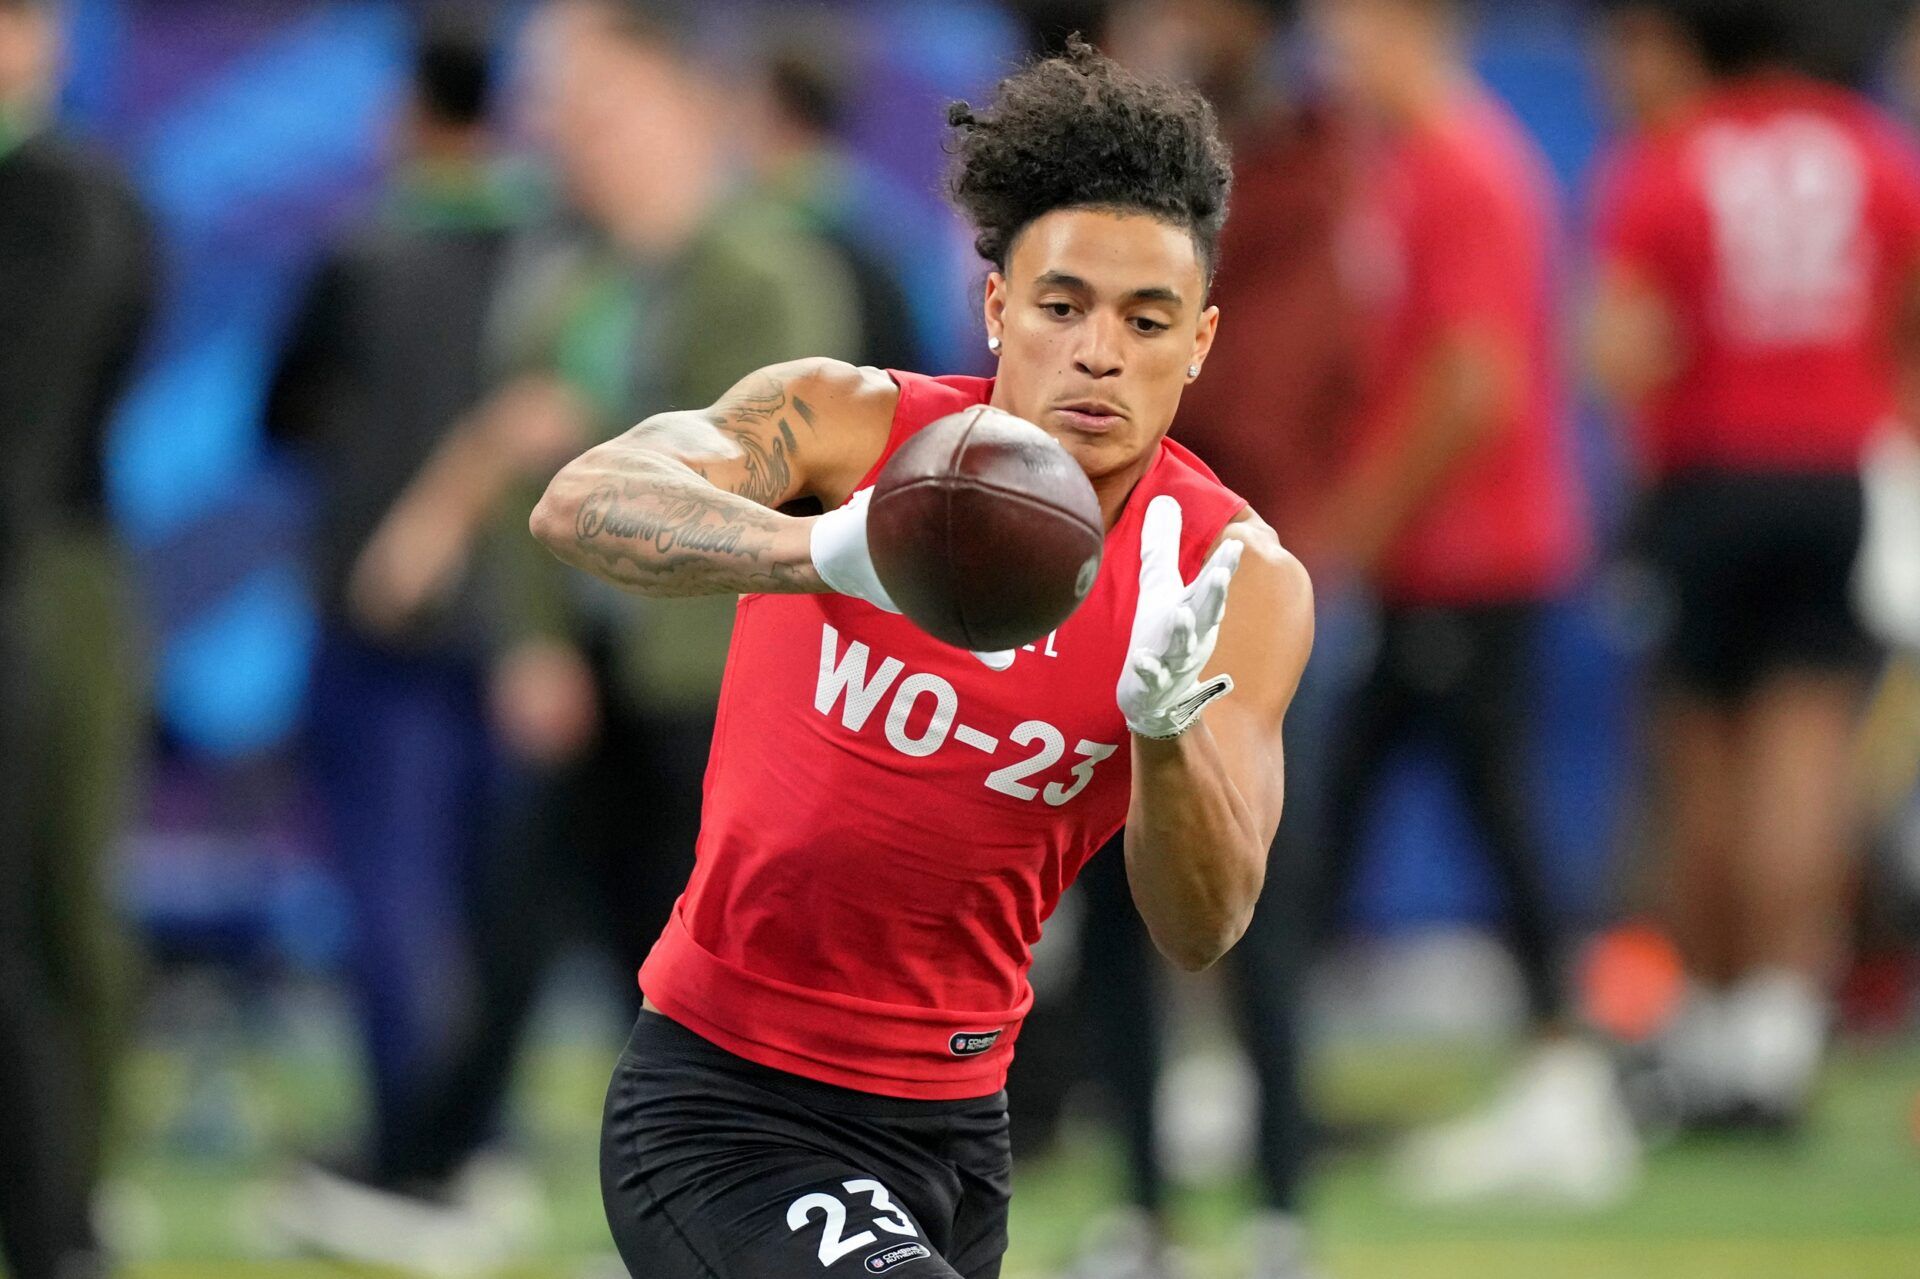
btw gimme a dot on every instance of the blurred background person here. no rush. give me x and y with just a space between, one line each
1458 509
1757 280
384 360
1280 382
794 141
1651 66
77 277
670 274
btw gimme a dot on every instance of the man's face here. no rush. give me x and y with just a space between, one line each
1099 315
598 101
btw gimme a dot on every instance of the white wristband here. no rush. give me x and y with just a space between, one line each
838 545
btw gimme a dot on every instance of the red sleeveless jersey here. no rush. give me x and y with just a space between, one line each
888 823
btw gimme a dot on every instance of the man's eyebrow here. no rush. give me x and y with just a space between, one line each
1155 293
1060 279
1158 293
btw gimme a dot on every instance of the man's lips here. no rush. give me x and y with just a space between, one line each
1090 416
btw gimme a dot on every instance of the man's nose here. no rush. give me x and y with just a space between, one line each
1099 354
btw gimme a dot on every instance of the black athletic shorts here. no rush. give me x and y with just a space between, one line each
1753 575
717 1168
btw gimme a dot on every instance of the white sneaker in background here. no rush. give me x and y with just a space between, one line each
1275 1246
1126 1244
129 1220
1777 1034
1696 1057
500 1190
1558 1133
321 1212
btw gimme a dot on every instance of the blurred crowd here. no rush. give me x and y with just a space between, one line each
597 209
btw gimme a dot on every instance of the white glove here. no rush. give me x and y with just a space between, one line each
838 544
1175 627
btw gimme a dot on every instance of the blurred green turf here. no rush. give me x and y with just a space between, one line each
1841 1202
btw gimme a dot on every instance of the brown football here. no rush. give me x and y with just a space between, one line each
984 530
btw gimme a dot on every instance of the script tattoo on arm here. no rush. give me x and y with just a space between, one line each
674 535
681 504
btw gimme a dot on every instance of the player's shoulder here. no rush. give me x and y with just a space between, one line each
826 382
1263 553
842 415
1272 595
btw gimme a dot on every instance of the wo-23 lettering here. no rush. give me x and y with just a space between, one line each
845 682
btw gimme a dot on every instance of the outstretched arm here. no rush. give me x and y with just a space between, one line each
685 502
1206 802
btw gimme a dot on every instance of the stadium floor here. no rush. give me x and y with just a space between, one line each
1840 1202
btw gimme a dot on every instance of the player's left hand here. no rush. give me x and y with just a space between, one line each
1175 626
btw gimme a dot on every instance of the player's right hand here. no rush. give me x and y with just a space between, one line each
838 544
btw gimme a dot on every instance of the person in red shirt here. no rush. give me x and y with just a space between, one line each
815 1084
1458 509
1757 282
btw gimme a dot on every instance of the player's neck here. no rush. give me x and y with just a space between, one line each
1114 490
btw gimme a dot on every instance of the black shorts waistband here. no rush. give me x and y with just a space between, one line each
659 1040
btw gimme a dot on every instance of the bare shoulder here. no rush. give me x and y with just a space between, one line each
810 387
1268 628
1268 566
834 414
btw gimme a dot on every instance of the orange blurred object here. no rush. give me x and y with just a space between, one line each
1631 982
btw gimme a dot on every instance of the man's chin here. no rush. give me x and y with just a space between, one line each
1099 455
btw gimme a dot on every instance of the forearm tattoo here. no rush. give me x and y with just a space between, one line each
680 504
666 534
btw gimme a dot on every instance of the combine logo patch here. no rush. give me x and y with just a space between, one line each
887 1258
971 1043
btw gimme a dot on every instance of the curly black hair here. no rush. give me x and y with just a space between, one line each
1080 131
